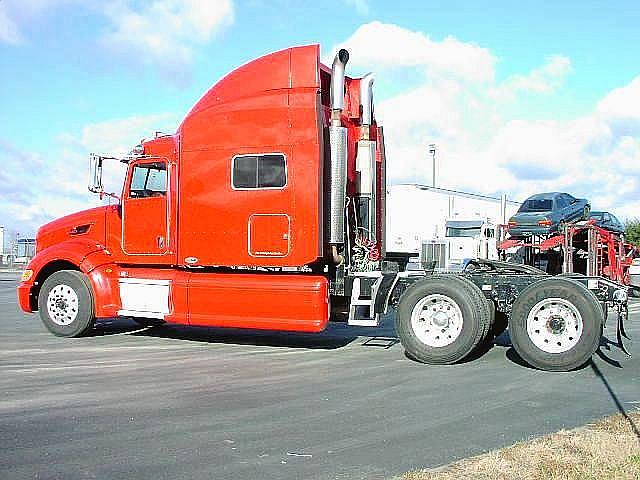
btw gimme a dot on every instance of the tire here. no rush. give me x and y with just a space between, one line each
589 293
458 302
66 304
570 308
586 212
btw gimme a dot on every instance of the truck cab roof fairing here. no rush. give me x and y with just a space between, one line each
295 67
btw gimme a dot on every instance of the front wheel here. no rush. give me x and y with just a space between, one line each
65 304
556 324
441 320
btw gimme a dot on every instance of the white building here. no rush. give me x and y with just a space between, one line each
417 213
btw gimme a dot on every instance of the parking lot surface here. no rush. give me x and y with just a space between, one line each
192 403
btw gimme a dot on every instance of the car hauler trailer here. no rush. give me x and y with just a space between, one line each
266 208
581 247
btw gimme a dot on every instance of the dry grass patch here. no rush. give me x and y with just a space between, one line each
608 449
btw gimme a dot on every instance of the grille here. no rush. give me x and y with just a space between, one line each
435 253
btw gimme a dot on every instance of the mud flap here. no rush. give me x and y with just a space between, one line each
623 315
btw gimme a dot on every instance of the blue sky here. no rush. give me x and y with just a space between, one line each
519 96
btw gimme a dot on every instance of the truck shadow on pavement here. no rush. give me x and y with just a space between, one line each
605 346
337 335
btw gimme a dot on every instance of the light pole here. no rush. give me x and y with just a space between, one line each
432 151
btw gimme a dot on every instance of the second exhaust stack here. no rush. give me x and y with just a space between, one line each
338 146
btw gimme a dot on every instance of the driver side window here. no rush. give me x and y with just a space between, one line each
148 180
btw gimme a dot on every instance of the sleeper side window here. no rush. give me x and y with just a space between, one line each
259 171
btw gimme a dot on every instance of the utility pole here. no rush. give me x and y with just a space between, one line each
432 151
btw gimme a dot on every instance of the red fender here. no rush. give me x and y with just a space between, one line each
76 251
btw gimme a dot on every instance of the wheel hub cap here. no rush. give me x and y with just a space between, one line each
436 320
62 305
554 325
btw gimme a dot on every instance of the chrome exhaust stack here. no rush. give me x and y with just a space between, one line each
366 102
338 147
366 160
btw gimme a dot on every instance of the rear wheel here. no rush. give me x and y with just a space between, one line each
556 324
441 319
65 304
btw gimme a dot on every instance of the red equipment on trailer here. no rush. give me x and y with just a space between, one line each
585 248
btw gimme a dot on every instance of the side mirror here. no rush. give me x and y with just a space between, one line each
95 174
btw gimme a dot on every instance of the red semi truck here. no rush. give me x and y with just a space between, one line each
267 207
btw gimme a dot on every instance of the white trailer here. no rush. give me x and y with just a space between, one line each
417 217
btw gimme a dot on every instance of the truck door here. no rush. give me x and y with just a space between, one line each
490 249
483 246
146 212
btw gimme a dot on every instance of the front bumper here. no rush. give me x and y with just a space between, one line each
24 296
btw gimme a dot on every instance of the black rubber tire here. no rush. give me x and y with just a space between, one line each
594 299
582 299
475 315
85 317
479 299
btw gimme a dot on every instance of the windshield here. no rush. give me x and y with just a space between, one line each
541 205
463 232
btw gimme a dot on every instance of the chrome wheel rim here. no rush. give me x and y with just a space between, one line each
554 325
62 305
436 320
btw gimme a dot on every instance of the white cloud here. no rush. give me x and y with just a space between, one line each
15 15
57 184
164 32
9 31
482 145
161 33
545 79
120 135
386 45
621 108
361 6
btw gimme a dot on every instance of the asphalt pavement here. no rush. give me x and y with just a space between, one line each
193 403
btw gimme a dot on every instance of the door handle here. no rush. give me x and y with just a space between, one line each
160 240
